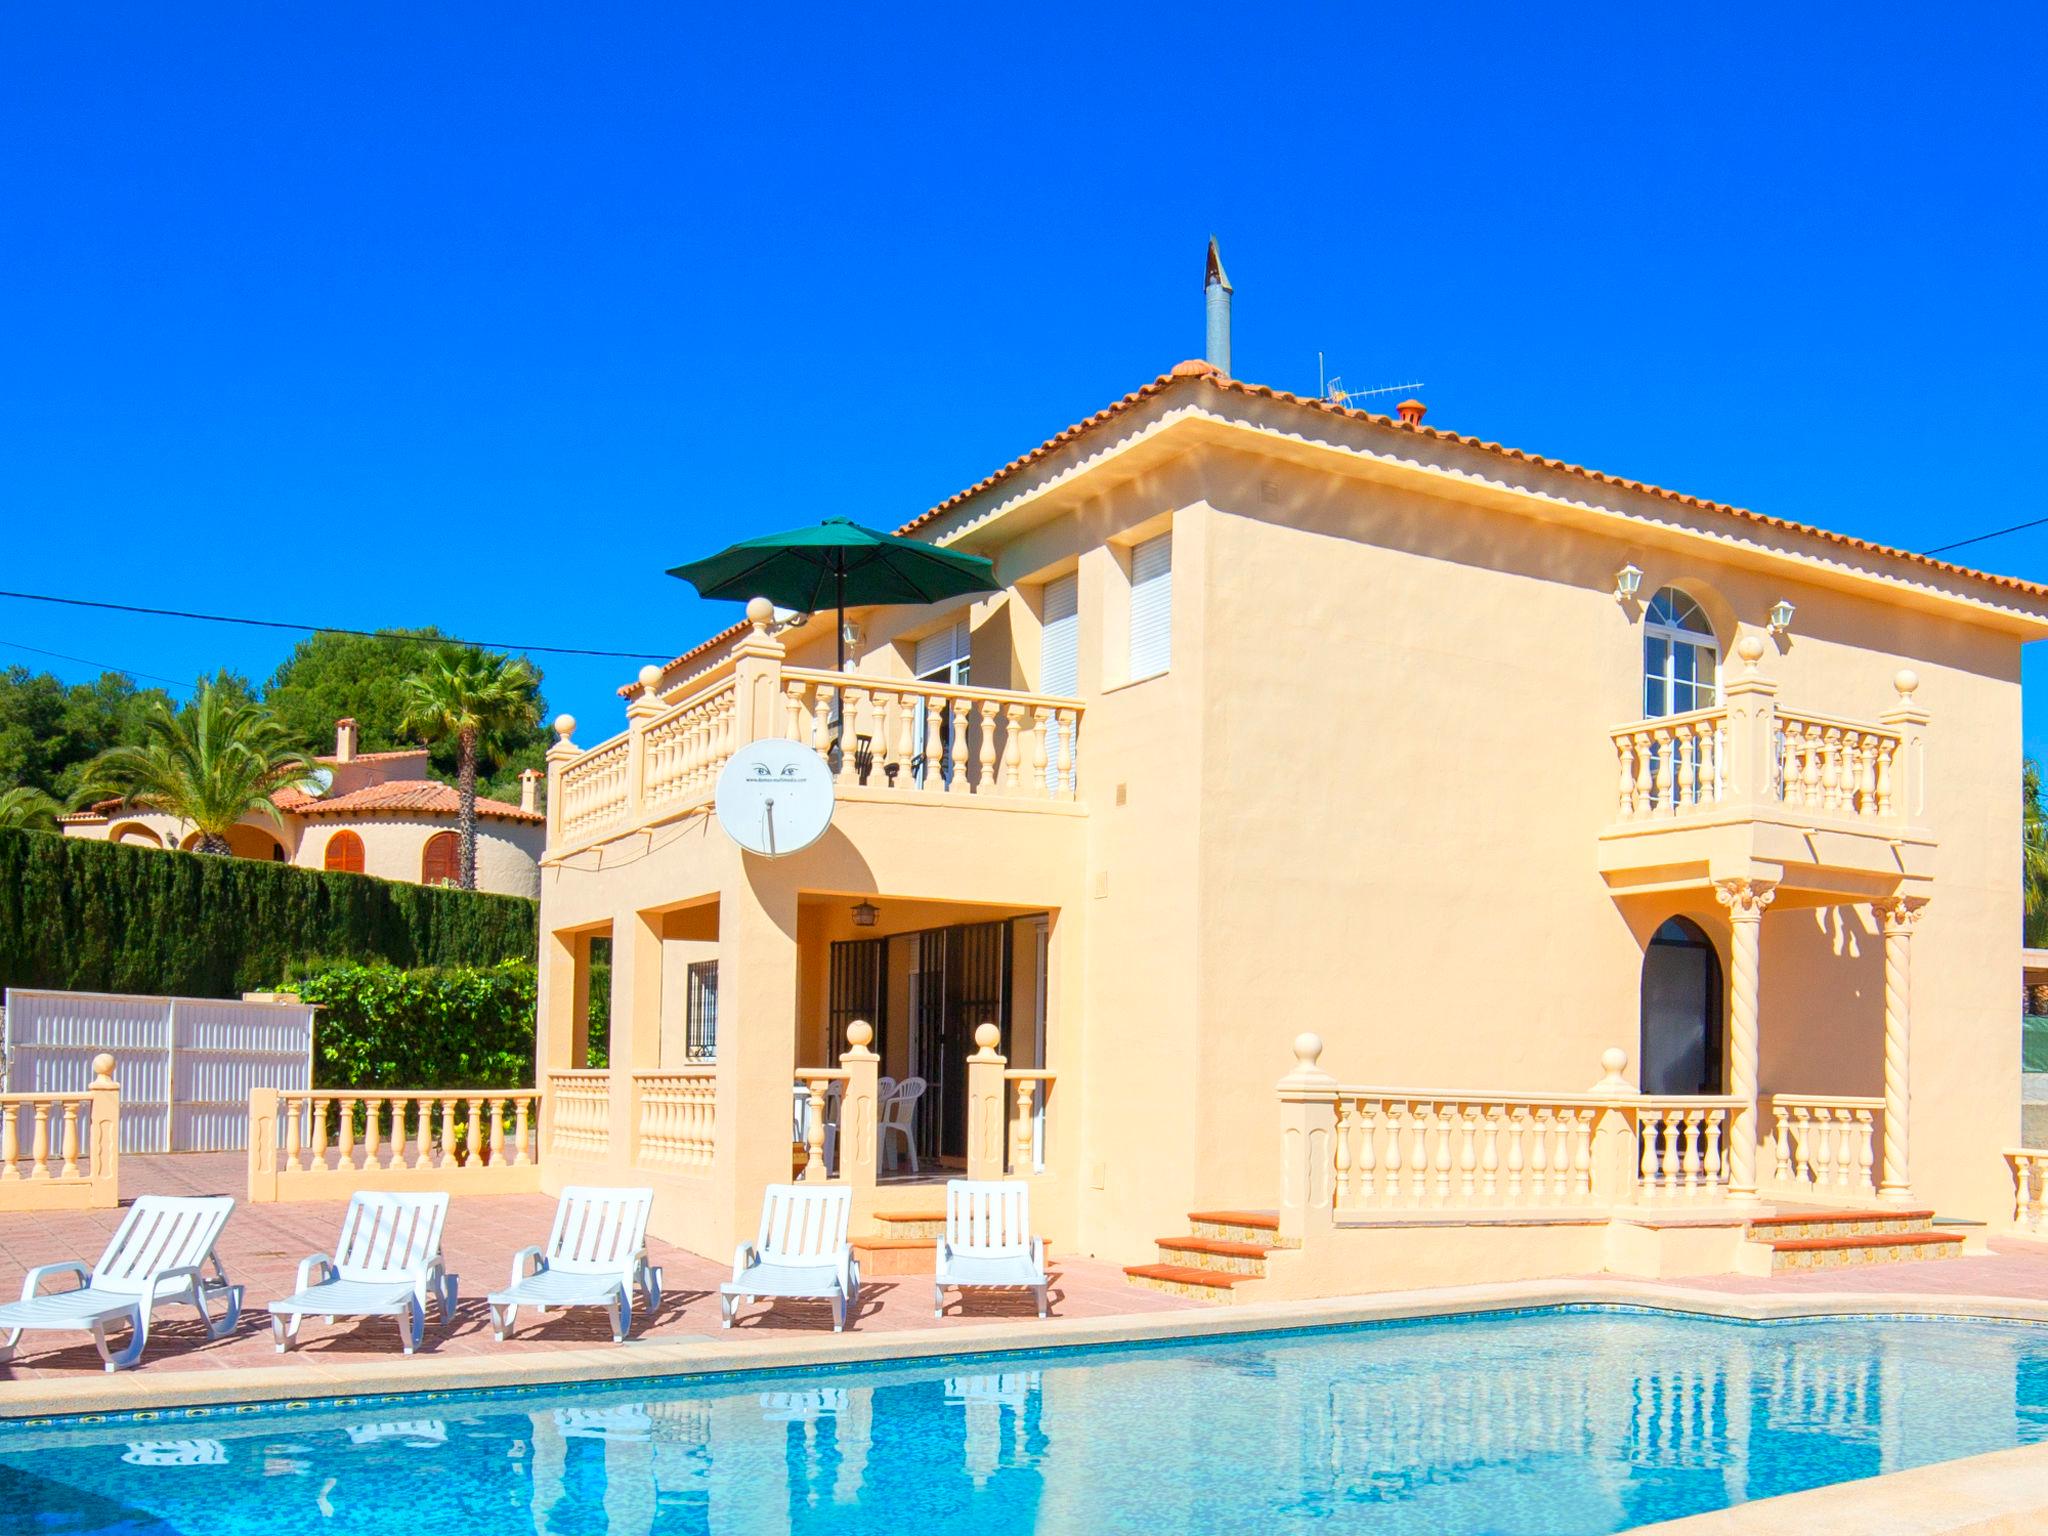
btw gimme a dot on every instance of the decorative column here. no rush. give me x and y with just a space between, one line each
646 708
1749 755
1899 916
560 755
1308 1137
1745 901
987 1126
859 1107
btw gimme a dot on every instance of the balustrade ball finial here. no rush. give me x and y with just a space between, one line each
860 1032
1308 1050
1612 1060
1751 649
987 1037
565 726
103 1070
650 675
1907 682
760 614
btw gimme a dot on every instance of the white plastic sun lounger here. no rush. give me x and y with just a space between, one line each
988 1242
802 1251
158 1254
595 1256
389 1266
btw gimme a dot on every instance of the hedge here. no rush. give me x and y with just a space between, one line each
443 1027
98 917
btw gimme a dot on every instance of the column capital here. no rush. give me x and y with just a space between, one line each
1899 914
1745 899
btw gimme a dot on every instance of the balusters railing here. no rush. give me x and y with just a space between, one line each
579 1113
1396 1151
326 1144
1678 766
1682 1149
2029 1167
60 1151
683 750
1671 767
1820 1145
676 1124
1834 766
594 789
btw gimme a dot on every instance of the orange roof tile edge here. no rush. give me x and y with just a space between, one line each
1207 375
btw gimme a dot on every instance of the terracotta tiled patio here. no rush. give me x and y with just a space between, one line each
263 1244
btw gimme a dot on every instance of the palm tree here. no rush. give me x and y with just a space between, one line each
211 763
2034 852
469 694
26 809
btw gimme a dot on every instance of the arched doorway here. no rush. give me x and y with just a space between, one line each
1681 1011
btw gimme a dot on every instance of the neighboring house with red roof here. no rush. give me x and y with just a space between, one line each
377 813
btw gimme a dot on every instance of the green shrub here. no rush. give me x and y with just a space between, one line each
98 917
438 1027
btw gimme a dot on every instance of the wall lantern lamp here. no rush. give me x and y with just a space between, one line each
1628 581
1781 617
865 913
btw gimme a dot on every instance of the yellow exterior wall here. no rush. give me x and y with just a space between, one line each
1366 800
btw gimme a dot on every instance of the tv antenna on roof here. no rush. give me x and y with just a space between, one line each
1331 388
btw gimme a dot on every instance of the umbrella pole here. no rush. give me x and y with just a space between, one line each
839 636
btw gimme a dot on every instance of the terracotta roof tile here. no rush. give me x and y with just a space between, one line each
376 757
1198 374
428 795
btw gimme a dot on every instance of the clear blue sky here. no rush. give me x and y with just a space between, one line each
482 314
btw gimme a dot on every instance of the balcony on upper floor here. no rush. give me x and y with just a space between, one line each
1835 806
885 740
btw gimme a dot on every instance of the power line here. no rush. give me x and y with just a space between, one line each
1997 533
86 661
326 629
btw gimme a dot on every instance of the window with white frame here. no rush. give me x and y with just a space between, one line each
1151 607
942 657
1681 658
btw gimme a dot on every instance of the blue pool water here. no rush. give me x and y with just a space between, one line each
1537 1424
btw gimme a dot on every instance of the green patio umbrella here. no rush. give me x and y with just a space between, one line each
839 562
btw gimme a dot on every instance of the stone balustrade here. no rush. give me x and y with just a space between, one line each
329 1143
1821 1147
1028 1092
579 1113
934 739
1748 755
61 1151
2029 1169
676 1119
1359 1152
889 737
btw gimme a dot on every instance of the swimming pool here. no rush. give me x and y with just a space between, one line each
1579 1420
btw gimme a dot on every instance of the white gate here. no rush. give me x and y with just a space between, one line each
185 1064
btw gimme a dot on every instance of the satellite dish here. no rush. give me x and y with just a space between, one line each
775 797
317 783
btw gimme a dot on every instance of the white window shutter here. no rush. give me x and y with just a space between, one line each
1152 606
942 649
1059 671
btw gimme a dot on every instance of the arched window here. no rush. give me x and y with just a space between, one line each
441 862
345 853
1681 659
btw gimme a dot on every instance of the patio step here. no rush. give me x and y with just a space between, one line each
1222 1254
930 1223
1241 1227
891 1255
1797 1241
1184 1280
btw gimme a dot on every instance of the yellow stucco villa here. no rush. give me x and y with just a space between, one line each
1344 854
366 813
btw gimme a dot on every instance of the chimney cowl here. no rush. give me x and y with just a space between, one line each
1193 368
529 791
1412 411
345 740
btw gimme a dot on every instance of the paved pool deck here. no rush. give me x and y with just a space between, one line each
1091 1303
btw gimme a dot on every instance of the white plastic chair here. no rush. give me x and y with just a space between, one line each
389 1266
595 1255
158 1254
899 1116
802 1251
988 1242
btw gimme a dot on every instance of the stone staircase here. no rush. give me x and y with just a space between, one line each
1795 1242
1223 1251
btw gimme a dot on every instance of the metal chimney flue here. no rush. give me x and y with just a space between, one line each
1216 290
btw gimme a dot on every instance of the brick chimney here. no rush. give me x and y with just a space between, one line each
529 790
344 741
